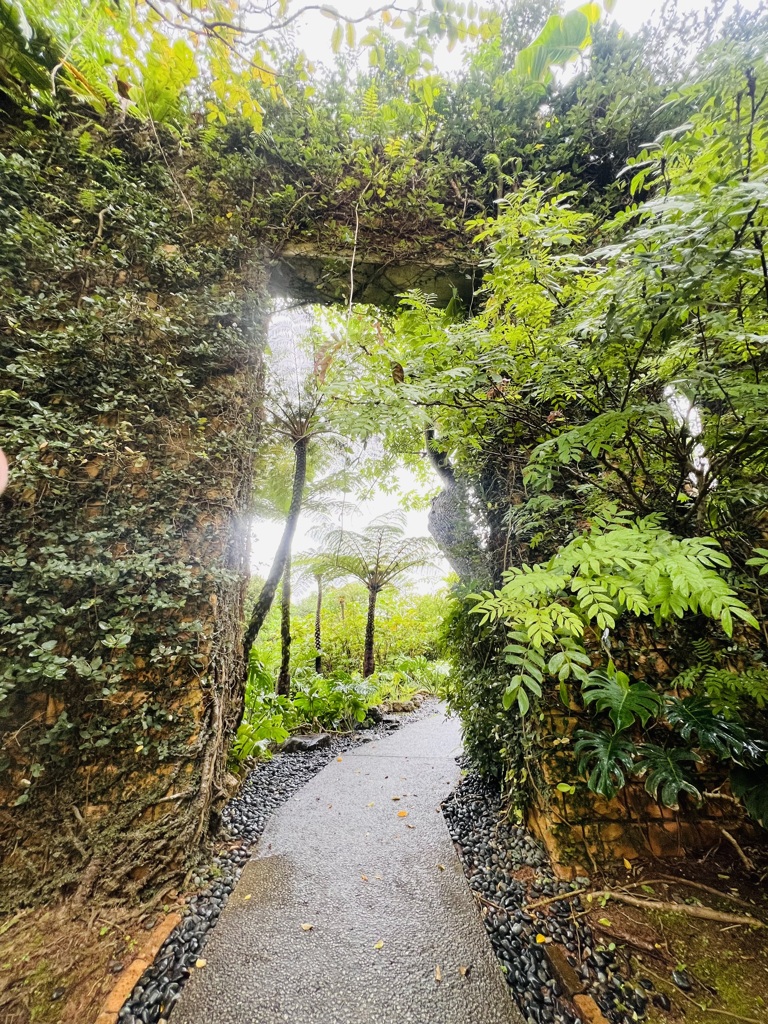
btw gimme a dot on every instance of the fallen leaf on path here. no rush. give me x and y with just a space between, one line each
438 973
378 945
395 797
380 877
402 814
247 897
200 962
627 864
441 867
542 938
464 971
307 927
409 826
605 921
339 758
371 804
364 877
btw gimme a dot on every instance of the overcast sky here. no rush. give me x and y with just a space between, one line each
314 31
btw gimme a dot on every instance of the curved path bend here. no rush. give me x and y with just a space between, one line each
383 890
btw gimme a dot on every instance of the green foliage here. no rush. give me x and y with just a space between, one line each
751 786
624 701
698 724
607 757
668 772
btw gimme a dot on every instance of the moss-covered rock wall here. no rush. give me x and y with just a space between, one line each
130 336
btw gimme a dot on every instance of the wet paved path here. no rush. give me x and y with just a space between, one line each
339 857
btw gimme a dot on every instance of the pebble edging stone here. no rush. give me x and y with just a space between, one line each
550 961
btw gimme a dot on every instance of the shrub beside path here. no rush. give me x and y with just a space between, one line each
356 908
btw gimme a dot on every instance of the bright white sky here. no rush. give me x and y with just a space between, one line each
313 36
314 31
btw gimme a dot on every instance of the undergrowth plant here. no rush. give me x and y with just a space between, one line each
560 617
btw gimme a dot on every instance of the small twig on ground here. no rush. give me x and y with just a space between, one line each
646 947
684 908
742 856
488 903
554 899
670 879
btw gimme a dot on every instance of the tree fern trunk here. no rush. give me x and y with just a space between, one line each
318 627
369 662
284 678
267 595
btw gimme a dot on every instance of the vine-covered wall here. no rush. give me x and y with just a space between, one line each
130 344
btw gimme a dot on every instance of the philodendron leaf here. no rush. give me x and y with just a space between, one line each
624 701
668 776
697 723
608 757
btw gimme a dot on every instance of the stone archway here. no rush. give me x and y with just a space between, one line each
132 422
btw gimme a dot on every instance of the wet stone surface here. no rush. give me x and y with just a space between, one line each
268 785
507 869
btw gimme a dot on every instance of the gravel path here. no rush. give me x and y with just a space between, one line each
361 854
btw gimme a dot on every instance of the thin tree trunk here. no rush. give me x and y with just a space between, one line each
284 677
318 628
369 662
267 595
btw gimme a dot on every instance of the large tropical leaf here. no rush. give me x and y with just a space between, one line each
624 701
698 724
668 776
751 786
608 757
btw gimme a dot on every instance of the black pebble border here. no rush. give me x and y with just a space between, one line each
492 851
268 785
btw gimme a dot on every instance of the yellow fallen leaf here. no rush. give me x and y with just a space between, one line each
438 973
463 971
339 758
402 814
441 867
605 921
542 938
378 945
307 927
371 804
247 897
364 877
200 962
627 864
